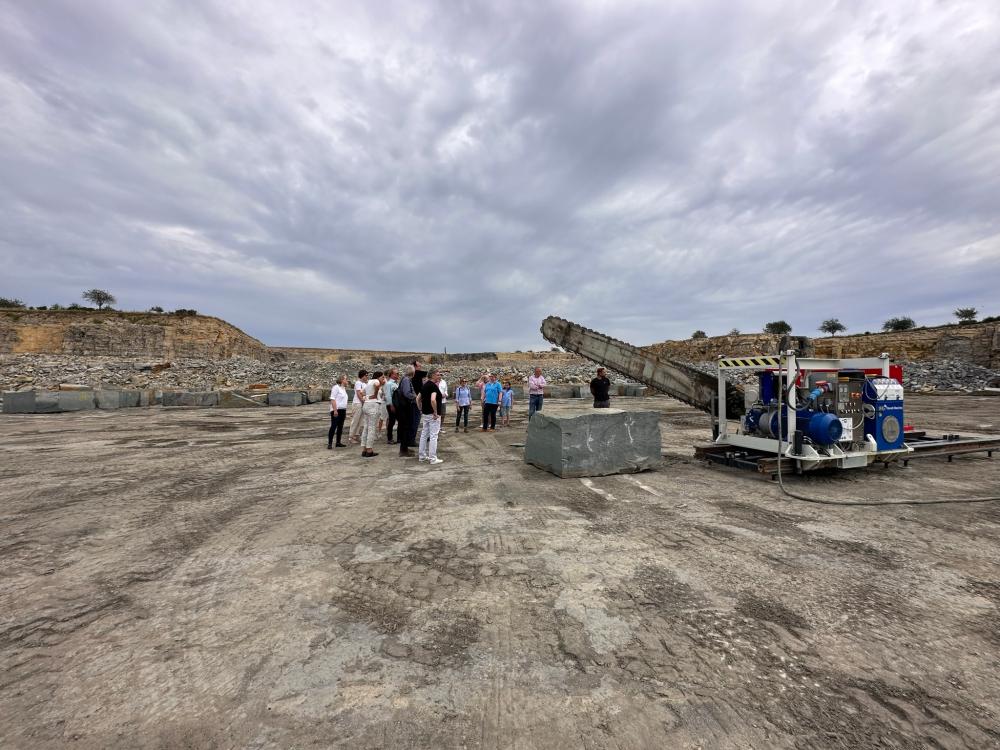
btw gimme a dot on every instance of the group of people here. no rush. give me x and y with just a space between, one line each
415 402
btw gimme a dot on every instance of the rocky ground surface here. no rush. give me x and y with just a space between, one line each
194 579
24 371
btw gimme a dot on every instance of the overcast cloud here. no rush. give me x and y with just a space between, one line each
429 175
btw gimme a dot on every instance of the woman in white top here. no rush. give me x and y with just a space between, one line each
338 411
371 411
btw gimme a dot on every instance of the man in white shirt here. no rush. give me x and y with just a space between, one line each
536 391
357 419
443 387
338 412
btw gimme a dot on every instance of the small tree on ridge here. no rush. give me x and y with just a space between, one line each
966 314
99 297
832 326
898 324
778 327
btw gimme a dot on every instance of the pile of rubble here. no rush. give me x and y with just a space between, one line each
26 371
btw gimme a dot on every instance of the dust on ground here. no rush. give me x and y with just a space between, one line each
195 578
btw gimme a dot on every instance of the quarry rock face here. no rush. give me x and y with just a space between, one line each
593 444
123 334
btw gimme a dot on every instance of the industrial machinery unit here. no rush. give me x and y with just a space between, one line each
837 413
842 413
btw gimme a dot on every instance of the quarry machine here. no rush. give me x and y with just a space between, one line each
837 413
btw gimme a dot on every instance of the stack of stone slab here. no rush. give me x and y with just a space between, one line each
594 443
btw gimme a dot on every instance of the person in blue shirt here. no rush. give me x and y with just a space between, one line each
463 399
491 402
506 404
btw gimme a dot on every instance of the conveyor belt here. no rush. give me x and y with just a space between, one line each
682 381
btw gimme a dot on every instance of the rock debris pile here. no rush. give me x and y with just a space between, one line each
25 371
47 371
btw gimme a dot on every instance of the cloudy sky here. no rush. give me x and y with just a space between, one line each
430 175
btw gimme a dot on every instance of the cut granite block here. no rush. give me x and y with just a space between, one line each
75 400
108 399
284 398
594 443
19 402
230 400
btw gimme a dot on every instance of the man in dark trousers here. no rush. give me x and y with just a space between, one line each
405 399
600 389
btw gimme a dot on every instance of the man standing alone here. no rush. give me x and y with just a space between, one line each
600 389
536 391
430 402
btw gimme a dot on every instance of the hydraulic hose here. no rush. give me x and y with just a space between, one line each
869 503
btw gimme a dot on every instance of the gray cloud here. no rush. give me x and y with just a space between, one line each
327 175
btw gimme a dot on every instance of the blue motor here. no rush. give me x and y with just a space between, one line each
819 427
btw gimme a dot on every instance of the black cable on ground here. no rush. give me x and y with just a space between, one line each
866 503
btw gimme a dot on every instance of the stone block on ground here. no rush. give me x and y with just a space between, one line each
191 398
284 398
594 443
230 400
46 402
74 387
108 399
19 402
75 400
635 390
314 395
147 398
128 399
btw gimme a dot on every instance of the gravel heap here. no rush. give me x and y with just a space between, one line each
919 376
25 371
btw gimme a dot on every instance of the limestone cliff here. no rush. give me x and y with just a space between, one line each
978 344
123 334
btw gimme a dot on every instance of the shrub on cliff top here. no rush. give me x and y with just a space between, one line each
966 314
10 302
699 335
184 312
898 324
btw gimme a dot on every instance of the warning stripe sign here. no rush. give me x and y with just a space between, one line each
749 362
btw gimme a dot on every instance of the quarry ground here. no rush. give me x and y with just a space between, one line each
209 578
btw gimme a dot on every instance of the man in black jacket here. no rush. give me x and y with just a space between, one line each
418 385
405 399
600 389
